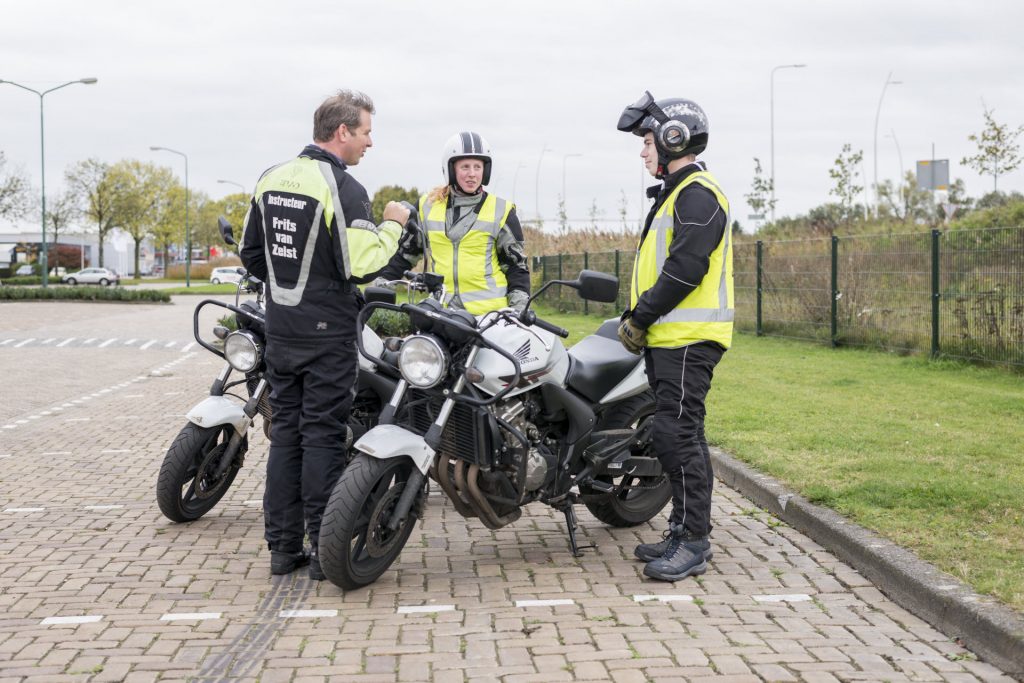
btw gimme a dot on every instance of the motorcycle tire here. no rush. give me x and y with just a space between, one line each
176 486
355 545
633 506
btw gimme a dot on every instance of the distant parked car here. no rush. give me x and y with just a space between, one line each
92 276
219 275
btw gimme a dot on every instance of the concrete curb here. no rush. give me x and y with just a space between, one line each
983 624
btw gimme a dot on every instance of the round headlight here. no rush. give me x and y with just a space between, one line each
242 351
422 361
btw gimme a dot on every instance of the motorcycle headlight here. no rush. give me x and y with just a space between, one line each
242 351
422 361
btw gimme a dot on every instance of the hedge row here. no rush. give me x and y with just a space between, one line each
82 294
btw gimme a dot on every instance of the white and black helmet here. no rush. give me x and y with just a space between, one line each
465 145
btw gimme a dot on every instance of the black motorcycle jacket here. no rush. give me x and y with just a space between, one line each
308 233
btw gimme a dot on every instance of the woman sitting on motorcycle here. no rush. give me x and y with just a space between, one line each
469 236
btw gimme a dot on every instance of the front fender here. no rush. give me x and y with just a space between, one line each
220 410
391 441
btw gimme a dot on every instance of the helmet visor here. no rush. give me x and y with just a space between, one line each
634 117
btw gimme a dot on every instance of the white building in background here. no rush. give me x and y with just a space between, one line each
118 249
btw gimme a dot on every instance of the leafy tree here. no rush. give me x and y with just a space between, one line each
90 181
760 196
233 208
998 151
140 187
594 214
844 173
392 193
169 223
906 202
14 188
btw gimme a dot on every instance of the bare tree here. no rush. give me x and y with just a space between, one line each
998 151
91 183
844 173
14 191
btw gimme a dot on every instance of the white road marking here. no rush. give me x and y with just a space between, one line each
24 509
104 507
56 452
22 343
170 344
190 616
66 341
5 455
116 450
188 346
307 613
252 502
173 393
663 598
795 597
425 609
147 345
134 395
5 342
78 419
107 343
47 341
92 619
130 341
89 341
21 422
544 603
9 427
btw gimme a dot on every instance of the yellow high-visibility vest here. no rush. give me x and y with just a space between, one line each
470 264
707 313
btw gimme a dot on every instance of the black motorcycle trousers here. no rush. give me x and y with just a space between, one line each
681 379
312 385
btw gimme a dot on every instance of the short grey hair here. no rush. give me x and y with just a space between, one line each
346 107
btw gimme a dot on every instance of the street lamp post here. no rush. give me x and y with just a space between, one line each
772 117
564 157
240 186
188 233
536 188
42 158
878 111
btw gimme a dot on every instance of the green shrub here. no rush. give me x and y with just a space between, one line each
26 280
390 323
83 294
201 271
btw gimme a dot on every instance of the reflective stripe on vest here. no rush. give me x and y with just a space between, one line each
470 265
707 313
313 179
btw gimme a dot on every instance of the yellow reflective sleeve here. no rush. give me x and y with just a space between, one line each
370 250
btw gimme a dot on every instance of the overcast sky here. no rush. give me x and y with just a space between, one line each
234 85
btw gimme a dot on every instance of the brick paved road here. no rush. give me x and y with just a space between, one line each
96 585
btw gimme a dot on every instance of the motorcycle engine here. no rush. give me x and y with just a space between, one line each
539 460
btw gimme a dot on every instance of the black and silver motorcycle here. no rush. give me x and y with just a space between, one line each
499 414
208 452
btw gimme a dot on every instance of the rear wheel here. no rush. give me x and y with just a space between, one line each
188 486
356 546
639 498
72 281
104 282
216 281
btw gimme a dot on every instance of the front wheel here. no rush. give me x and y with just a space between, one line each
216 281
639 498
72 281
104 282
188 486
356 546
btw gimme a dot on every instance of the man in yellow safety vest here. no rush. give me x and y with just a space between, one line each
680 318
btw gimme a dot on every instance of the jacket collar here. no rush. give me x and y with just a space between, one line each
320 154
672 180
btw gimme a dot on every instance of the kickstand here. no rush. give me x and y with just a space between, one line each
570 523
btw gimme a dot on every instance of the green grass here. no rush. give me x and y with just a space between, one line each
927 454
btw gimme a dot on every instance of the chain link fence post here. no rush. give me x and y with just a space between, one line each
936 294
835 291
760 270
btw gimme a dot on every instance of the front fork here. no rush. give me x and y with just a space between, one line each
250 408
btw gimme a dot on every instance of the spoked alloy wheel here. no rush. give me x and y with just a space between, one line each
356 546
188 487
639 498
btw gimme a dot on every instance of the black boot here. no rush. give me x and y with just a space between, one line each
683 557
648 552
315 572
282 562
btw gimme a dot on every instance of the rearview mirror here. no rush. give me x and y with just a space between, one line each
225 231
597 286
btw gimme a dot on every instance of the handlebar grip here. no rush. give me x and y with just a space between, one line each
553 329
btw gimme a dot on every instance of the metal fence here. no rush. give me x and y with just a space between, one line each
954 294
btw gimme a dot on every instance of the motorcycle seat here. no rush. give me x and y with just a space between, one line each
599 362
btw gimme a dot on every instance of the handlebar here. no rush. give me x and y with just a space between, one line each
234 309
528 317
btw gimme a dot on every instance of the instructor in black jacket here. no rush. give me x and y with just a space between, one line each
309 231
680 317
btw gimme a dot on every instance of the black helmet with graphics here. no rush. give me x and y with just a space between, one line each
465 145
680 126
